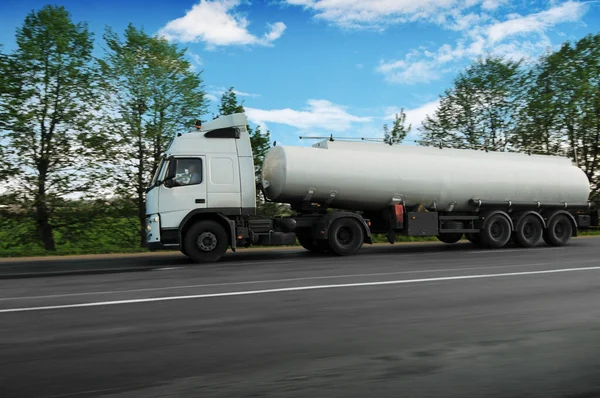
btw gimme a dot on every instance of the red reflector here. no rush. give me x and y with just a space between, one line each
399 213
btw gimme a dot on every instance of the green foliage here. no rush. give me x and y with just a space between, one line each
399 129
480 110
154 94
562 115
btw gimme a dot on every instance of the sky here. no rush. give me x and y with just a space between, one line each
332 67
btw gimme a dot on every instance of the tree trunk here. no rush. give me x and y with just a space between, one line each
44 227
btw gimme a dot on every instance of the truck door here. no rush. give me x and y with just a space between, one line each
186 193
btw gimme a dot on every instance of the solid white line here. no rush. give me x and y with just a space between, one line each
293 289
265 281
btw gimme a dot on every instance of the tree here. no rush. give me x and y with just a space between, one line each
562 115
154 95
480 110
399 130
260 146
49 96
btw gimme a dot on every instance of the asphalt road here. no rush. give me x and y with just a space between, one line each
403 321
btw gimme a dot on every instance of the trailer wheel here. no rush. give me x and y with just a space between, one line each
206 241
529 231
496 232
450 238
345 236
559 231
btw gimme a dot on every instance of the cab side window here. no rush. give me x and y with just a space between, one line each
188 171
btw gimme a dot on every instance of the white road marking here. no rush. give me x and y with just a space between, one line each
294 289
265 281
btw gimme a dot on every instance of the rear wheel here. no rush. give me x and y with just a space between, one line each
306 241
206 241
529 231
450 238
496 232
473 238
559 231
345 236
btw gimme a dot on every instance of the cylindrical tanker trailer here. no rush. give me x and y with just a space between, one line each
342 193
365 176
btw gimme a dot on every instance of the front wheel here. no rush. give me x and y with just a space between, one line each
206 241
345 236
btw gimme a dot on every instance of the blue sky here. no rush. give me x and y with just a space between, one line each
341 67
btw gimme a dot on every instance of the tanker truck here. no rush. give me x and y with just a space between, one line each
202 199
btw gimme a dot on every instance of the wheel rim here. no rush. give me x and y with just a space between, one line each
344 236
206 241
559 230
529 231
496 230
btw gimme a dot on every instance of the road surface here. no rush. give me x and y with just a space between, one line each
420 320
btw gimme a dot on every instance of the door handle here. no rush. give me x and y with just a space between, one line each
200 200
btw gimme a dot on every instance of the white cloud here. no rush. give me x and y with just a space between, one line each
243 94
211 97
376 14
197 60
492 5
570 11
214 23
320 114
415 116
217 92
407 72
478 39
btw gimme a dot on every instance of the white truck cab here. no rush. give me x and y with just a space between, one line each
208 172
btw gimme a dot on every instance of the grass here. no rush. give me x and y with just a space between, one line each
66 251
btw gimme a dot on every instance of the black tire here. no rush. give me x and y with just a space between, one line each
450 238
206 241
496 231
473 238
558 231
345 236
529 231
306 241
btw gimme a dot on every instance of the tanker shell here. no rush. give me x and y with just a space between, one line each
365 176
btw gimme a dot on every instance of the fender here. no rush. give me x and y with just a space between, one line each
324 223
520 215
200 214
549 216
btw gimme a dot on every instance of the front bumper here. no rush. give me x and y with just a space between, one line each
153 231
